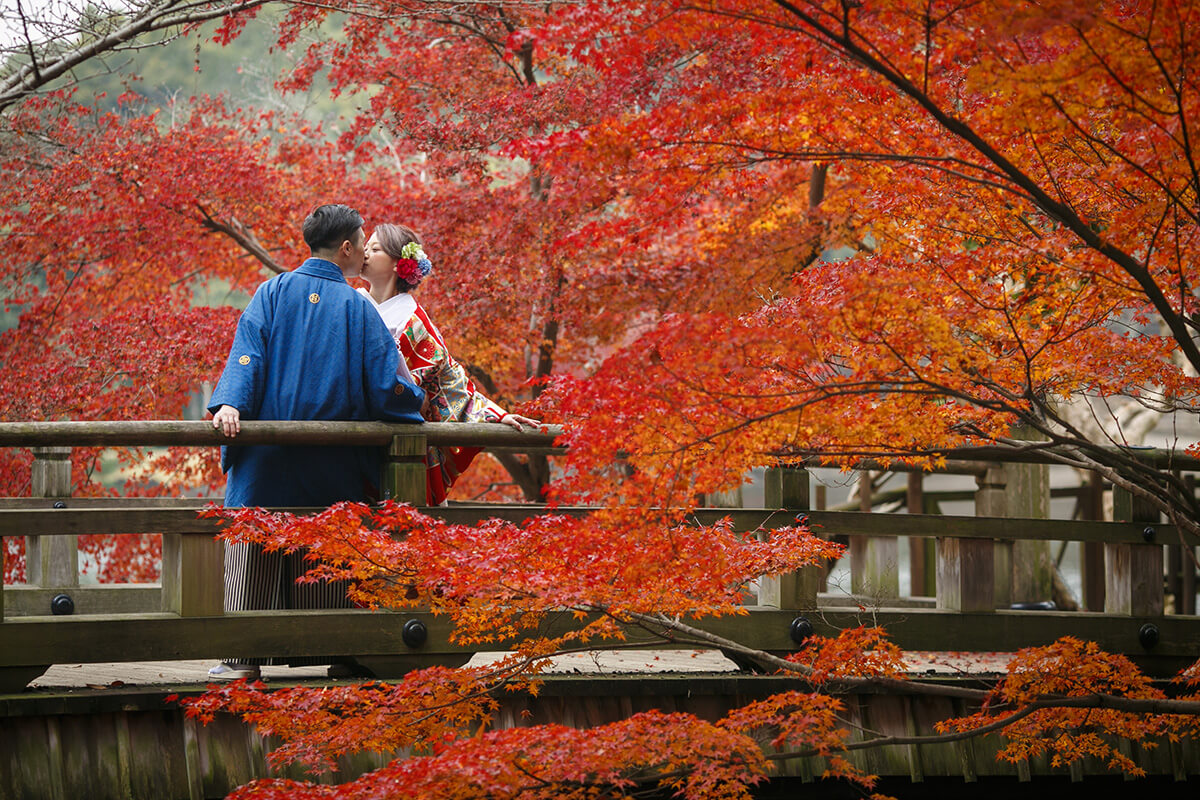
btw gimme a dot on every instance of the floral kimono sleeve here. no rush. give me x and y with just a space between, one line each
452 393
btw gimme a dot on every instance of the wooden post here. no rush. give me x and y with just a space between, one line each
1134 574
967 572
1091 559
51 561
874 560
733 498
1027 495
404 475
193 575
1186 603
788 487
991 500
922 564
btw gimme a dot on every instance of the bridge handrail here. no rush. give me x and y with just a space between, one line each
158 433
192 576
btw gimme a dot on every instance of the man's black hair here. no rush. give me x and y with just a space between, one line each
330 225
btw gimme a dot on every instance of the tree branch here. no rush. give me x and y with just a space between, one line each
245 237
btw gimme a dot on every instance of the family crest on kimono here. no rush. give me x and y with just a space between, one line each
395 266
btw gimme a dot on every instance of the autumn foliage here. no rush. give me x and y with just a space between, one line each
708 236
558 584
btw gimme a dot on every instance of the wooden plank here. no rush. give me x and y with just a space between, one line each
1033 453
155 637
875 567
1135 579
116 598
991 500
855 522
17 503
19 522
51 522
137 754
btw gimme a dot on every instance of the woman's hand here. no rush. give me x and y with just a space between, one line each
228 420
519 422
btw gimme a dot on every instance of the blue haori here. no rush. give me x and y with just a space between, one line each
308 347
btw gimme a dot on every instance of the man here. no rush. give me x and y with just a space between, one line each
308 347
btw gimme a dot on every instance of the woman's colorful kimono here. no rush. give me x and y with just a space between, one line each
452 394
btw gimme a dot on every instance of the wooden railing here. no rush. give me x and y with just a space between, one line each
183 616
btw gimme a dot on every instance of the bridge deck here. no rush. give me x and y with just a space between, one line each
604 662
107 729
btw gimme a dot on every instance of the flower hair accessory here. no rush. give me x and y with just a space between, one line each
413 264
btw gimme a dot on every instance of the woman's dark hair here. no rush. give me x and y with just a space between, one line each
330 225
392 239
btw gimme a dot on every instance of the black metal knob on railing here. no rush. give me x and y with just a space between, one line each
1148 533
1148 635
414 633
61 605
800 630
59 504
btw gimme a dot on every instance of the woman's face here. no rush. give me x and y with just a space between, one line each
379 267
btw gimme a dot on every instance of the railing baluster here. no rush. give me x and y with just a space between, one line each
922 560
1091 560
1027 495
51 561
967 569
874 560
1134 572
788 487
991 500
404 474
193 575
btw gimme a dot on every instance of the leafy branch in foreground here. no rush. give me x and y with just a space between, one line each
561 583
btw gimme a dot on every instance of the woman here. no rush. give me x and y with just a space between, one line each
395 265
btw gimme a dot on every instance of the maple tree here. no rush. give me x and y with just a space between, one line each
735 232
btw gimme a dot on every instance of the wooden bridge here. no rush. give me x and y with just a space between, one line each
71 735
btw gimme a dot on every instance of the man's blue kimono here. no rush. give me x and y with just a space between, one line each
309 347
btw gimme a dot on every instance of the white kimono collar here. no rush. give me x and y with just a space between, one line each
396 311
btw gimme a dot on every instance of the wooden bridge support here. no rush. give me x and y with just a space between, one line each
134 744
